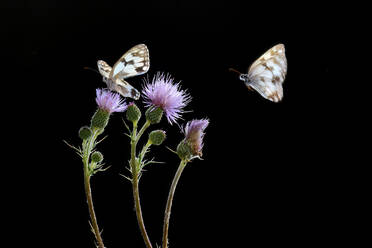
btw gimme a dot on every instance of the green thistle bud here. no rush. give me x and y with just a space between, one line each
133 113
85 133
100 119
154 115
157 137
184 150
97 157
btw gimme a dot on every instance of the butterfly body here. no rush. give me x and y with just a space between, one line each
133 63
267 73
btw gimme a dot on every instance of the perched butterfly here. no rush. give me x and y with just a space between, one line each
133 63
267 73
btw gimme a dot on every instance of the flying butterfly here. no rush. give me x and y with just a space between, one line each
133 63
267 73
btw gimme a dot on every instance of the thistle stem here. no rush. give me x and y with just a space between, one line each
135 166
137 205
142 130
143 152
91 210
88 191
169 202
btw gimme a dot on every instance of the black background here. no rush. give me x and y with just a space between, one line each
263 181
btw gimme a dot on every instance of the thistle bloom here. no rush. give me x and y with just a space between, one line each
109 101
164 93
194 133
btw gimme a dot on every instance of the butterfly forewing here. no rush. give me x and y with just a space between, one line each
267 73
133 63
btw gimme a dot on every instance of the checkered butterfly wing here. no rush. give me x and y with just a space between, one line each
125 89
267 73
104 68
119 85
133 63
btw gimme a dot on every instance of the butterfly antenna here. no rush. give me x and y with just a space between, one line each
236 71
90 69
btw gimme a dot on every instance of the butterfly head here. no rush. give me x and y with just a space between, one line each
244 77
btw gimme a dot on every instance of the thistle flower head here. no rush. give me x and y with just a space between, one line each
109 101
164 93
194 134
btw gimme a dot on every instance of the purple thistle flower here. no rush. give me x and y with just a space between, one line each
162 92
109 101
194 134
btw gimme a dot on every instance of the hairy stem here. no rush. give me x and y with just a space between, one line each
170 200
135 166
91 211
143 152
143 129
137 205
88 192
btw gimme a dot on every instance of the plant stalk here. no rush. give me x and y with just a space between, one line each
88 191
91 211
169 202
135 166
137 205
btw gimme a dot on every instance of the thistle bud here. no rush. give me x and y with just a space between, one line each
157 137
184 150
154 115
97 157
85 132
100 119
133 113
194 134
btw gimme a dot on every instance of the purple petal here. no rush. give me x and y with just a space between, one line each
163 92
109 101
194 134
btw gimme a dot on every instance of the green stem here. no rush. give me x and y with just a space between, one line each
91 210
143 152
133 147
137 205
88 191
143 129
134 163
170 200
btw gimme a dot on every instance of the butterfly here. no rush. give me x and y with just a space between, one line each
133 63
267 73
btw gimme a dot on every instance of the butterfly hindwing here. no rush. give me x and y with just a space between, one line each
267 89
133 63
267 73
125 89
